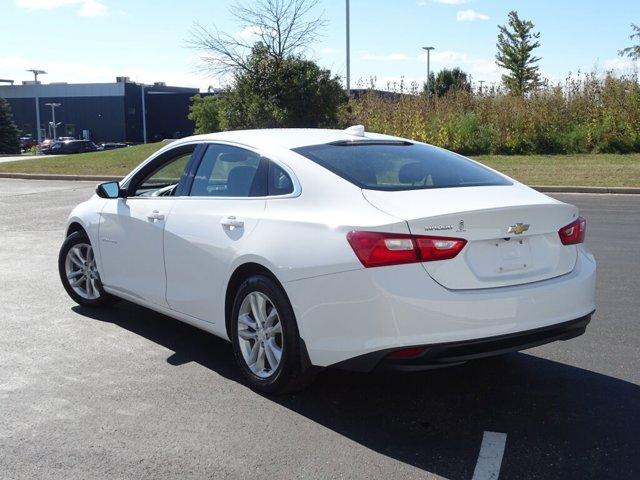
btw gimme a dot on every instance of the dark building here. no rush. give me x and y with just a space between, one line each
107 111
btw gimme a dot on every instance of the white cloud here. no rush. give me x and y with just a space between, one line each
444 56
619 63
479 68
389 57
451 2
92 8
327 52
249 31
470 16
88 8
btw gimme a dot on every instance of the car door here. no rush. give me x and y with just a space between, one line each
132 228
208 228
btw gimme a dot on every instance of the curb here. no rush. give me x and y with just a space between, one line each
578 189
44 176
540 188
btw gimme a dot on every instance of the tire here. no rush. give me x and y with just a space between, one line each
249 338
71 267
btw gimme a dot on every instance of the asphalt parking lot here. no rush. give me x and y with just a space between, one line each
128 393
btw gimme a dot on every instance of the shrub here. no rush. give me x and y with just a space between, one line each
204 112
586 113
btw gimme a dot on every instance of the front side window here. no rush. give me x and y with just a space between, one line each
228 171
399 165
164 179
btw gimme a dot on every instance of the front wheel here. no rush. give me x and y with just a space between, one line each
265 338
79 273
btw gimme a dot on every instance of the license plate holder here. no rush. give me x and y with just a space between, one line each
513 255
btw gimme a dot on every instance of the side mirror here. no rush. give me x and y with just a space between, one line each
109 190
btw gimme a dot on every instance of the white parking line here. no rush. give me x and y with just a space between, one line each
490 457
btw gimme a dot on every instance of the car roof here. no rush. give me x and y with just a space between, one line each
288 138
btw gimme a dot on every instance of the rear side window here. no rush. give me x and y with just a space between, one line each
279 181
400 166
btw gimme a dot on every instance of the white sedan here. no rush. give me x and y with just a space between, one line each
314 248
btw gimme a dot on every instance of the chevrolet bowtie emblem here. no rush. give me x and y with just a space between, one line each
518 228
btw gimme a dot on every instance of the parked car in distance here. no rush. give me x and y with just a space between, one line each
111 145
46 145
27 142
71 146
311 248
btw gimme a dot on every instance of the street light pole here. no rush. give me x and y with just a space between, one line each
37 72
53 117
348 53
144 116
428 49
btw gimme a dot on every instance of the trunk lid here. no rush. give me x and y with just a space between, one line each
493 256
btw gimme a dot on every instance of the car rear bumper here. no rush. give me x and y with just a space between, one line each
350 314
454 353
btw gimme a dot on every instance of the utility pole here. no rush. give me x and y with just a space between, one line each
53 118
144 116
480 82
348 54
428 49
37 72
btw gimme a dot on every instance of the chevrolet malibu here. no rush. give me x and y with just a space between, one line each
326 248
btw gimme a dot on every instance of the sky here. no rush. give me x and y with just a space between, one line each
84 41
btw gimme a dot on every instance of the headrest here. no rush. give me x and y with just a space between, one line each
412 172
232 157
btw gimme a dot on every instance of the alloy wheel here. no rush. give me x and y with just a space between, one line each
260 334
82 273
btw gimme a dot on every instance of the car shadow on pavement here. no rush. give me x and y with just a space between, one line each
561 421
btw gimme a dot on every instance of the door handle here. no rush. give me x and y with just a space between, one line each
231 223
155 215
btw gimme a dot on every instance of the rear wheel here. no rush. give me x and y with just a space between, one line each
79 273
265 337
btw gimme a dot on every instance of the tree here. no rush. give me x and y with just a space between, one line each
9 136
288 92
516 43
633 52
283 27
448 80
204 112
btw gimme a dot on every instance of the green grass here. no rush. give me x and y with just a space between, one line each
111 162
603 170
606 170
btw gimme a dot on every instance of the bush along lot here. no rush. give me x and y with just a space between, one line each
586 114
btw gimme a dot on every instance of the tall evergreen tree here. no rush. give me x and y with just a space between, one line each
633 52
9 136
516 42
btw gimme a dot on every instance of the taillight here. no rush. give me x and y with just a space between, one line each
410 352
439 248
574 232
376 249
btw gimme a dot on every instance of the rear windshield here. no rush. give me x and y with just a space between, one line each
399 166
